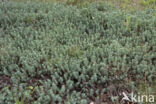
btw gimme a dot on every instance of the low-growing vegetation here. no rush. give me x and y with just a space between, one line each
130 5
53 53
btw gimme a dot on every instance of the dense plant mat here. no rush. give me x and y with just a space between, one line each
58 54
130 5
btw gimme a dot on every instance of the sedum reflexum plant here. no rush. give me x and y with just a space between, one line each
71 55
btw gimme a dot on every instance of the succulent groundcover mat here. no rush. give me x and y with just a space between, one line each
62 54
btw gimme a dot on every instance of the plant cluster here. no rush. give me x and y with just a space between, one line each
59 54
